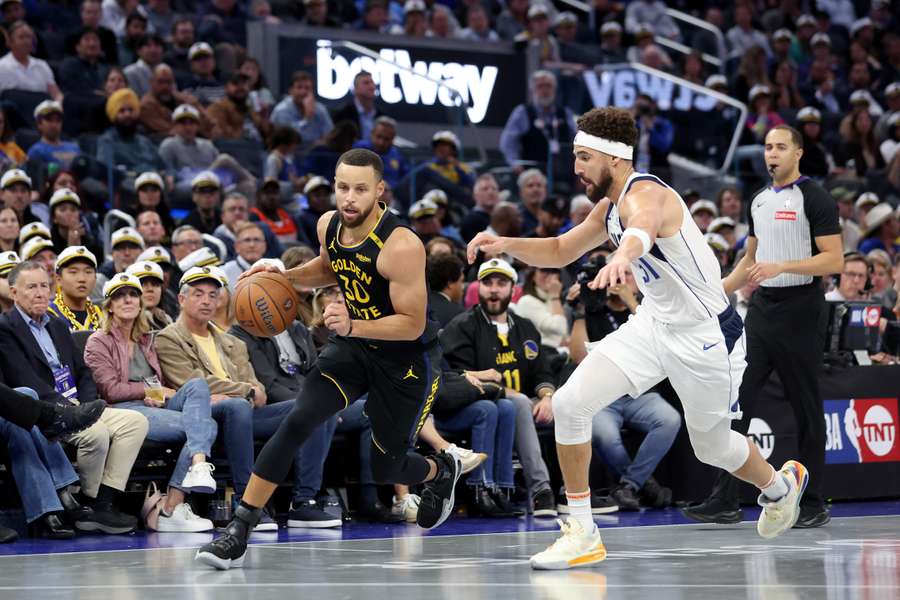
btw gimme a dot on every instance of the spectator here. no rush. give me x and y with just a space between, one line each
261 98
249 246
850 230
703 213
649 413
150 55
512 21
486 194
192 345
122 144
162 99
9 233
39 250
235 212
506 350
478 26
160 17
883 129
84 73
91 14
183 39
722 251
396 165
446 171
233 118
374 18
323 156
891 145
268 210
652 13
20 71
800 48
551 217
449 231
185 240
655 137
541 303
361 109
115 12
816 161
36 348
781 46
423 217
880 274
611 42
206 191
540 46
224 21
743 36
280 165
540 130
860 81
135 31
579 209
282 364
150 226
787 94
825 91
859 148
115 81
415 21
203 83
15 187
11 154
149 188
76 276
301 111
185 155
68 227
50 149
881 231
752 71
864 203
692 68
319 201
316 15
852 283
154 292
446 283
127 244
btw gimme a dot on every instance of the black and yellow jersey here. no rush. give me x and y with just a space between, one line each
366 292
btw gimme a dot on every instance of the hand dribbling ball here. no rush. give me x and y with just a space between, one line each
265 304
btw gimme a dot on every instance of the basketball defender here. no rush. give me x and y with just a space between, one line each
385 346
684 329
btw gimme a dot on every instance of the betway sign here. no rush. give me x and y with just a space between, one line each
474 85
621 87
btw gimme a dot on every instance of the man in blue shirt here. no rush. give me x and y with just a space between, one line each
396 165
300 110
51 149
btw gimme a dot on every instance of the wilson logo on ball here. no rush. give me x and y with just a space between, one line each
265 314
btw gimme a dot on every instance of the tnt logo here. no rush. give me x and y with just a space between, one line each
863 430
762 436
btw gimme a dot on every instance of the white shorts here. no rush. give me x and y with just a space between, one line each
704 364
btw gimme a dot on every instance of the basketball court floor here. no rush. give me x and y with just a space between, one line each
653 554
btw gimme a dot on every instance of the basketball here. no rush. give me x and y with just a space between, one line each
265 304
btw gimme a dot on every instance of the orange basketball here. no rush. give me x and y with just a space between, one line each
265 304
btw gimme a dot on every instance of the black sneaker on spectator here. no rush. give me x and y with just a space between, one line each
544 504
69 419
266 522
105 518
502 498
378 513
624 495
485 504
655 495
307 514
600 505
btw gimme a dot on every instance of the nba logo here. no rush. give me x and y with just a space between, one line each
861 431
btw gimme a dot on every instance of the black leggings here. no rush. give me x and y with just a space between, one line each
319 400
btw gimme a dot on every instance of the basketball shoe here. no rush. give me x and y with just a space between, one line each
439 494
780 515
575 548
230 549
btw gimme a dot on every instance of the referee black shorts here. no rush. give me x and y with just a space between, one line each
401 379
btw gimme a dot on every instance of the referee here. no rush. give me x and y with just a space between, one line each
794 239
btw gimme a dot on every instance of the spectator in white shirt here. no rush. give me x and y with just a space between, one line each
541 303
652 13
478 26
21 71
853 279
743 36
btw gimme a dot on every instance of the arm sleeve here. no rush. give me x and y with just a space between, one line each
821 210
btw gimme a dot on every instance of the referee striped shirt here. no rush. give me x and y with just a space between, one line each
786 222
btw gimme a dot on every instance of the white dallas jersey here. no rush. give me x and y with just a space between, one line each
680 278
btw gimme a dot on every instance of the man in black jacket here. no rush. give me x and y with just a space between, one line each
444 273
281 364
488 343
37 351
361 109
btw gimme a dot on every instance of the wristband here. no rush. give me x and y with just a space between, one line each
640 234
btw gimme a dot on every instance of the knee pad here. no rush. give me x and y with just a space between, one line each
572 422
728 451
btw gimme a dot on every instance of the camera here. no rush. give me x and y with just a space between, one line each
592 300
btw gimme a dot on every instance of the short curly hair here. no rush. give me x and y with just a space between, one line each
611 123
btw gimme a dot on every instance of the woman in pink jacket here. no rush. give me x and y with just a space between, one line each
125 366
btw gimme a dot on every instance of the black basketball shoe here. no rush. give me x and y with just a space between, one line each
230 549
439 493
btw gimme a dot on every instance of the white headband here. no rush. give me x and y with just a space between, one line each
582 138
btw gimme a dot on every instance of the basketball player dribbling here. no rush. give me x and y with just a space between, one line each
684 329
385 346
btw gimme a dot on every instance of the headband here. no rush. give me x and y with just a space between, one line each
582 138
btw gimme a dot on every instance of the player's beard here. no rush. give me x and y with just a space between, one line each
492 312
601 187
360 218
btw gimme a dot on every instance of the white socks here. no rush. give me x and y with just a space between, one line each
580 509
776 488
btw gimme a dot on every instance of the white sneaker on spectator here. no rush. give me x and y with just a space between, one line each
199 479
468 458
183 520
406 507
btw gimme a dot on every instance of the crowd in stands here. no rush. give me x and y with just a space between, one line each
146 164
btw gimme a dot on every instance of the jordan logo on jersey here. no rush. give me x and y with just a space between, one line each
410 374
331 246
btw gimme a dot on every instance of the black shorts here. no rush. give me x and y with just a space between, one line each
402 381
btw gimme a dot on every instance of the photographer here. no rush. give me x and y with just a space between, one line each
597 314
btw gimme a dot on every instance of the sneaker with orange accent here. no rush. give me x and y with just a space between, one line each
575 548
778 516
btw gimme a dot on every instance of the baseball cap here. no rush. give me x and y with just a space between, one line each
782 34
146 268
565 17
820 38
205 179
720 222
185 111
809 114
148 178
156 254
32 247
610 27
411 6
127 235
860 24
716 81
445 136
496 266
200 49
36 229
64 195
892 90
47 107
8 261
716 241
759 90
122 280
315 182
866 199
14 176
422 208
859 97
201 257
707 205
437 196
537 10
198 274
73 253
805 20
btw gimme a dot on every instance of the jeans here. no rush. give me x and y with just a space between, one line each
493 427
649 413
185 419
40 467
238 419
528 446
